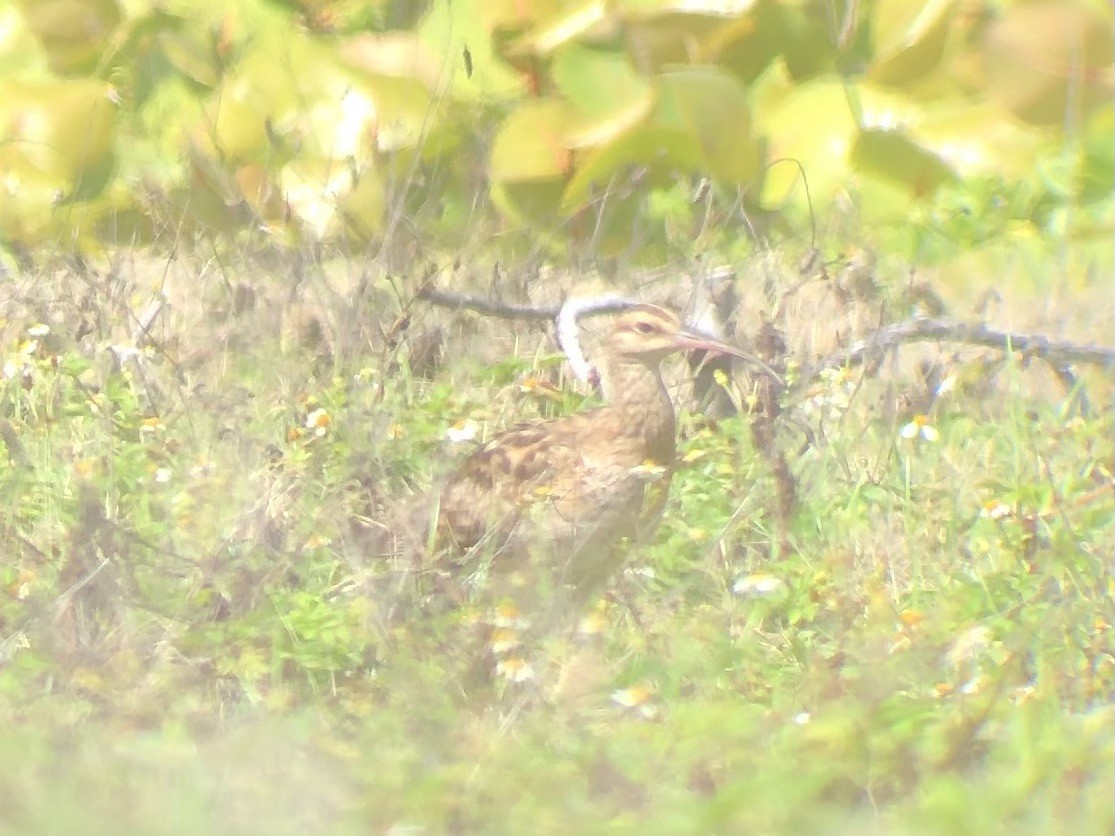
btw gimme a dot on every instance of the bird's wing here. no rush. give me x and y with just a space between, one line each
484 497
540 494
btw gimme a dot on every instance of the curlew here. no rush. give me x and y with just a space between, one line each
548 506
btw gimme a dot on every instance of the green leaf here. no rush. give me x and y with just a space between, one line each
597 81
909 39
700 124
530 145
892 155
790 124
563 27
73 32
710 107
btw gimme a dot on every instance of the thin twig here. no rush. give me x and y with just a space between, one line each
921 328
489 307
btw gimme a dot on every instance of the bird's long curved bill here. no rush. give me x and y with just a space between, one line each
695 341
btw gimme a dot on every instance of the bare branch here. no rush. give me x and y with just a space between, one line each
921 329
489 307
575 307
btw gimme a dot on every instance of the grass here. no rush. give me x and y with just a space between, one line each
197 632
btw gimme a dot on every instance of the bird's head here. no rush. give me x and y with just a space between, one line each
647 333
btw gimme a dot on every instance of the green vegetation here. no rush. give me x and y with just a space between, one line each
555 125
220 393
199 633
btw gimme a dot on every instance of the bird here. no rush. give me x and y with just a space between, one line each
549 505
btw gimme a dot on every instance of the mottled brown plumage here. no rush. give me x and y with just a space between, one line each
549 503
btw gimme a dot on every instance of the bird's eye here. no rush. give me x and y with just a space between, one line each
644 327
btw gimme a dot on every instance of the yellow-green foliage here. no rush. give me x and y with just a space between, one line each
333 120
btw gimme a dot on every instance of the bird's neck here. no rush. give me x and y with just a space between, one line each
638 398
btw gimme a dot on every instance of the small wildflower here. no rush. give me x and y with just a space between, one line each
318 421
911 618
632 696
150 425
994 509
802 718
515 669
163 475
38 330
636 698
919 426
504 640
507 615
942 689
464 430
758 586
640 572
540 388
693 455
